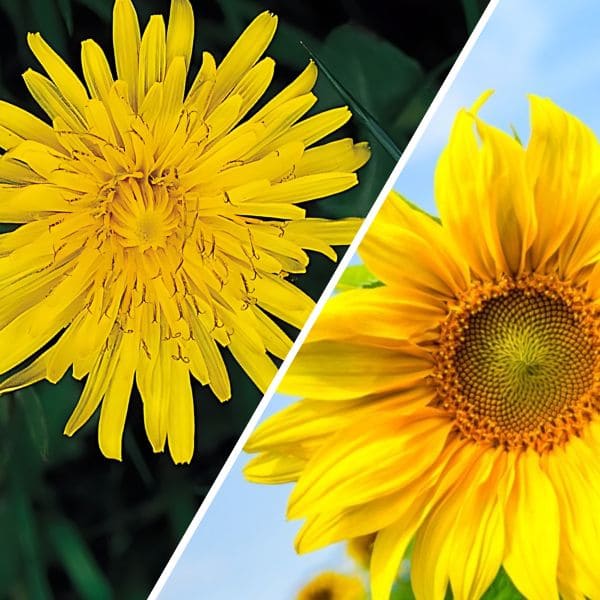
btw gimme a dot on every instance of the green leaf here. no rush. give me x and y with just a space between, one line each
35 418
419 209
29 543
47 19
77 560
286 44
66 10
102 8
411 114
9 565
516 134
234 16
502 588
359 111
382 78
287 48
58 401
472 12
357 276
137 458
402 590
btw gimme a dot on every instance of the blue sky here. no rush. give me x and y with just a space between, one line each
544 47
243 547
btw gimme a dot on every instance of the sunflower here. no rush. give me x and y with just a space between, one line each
458 404
158 226
330 585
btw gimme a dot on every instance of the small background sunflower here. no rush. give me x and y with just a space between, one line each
73 524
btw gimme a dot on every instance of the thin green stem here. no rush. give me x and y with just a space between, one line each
358 110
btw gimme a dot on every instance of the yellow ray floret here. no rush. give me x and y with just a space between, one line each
158 225
458 404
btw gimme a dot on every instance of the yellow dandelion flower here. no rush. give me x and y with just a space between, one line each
330 585
159 225
459 403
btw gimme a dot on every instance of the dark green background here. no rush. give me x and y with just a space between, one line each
73 524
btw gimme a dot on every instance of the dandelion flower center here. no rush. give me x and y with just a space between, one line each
519 362
143 215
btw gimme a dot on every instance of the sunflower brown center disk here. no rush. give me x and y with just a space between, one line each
519 363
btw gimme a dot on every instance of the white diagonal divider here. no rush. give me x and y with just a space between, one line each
260 409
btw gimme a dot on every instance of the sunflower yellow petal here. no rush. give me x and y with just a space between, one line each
593 284
577 500
562 161
507 195
532 528
392 320
404 509
478 542
389 548
317 420
357 370
368 518
371 466
425 257
430 570
273 469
